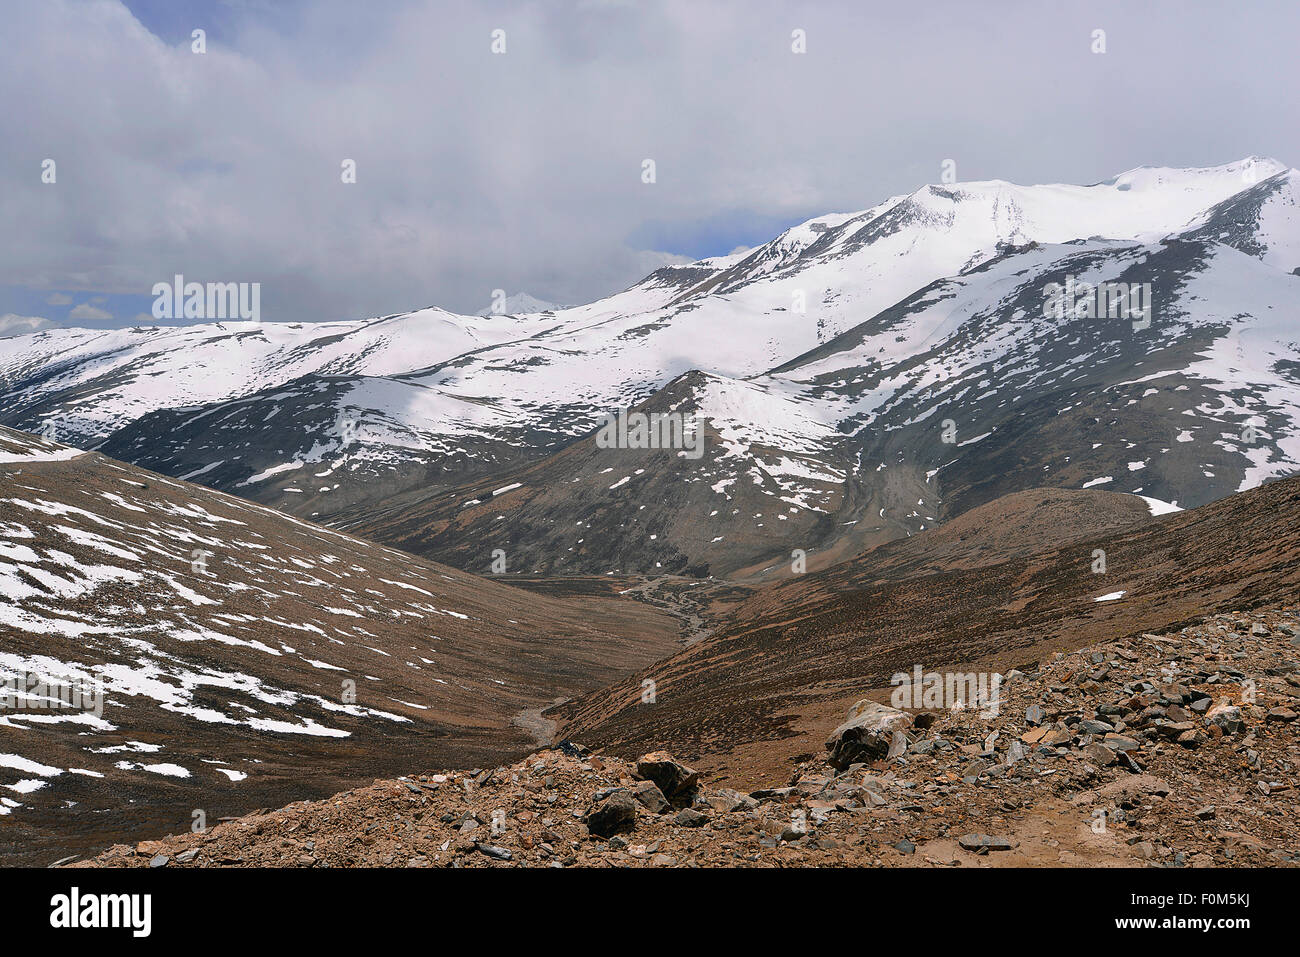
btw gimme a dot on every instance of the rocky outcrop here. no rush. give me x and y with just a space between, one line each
867 734
615 813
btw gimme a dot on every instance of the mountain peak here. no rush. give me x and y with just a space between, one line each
1248 171
519 304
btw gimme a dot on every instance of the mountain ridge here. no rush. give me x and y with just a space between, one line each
840 339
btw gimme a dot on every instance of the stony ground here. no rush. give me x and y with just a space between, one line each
1175 750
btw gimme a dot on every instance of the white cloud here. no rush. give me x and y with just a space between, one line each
87 311
14 325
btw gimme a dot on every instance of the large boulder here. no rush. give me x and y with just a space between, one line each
675 780
866 735
650 797
615 813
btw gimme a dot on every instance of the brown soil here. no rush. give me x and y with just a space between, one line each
796 651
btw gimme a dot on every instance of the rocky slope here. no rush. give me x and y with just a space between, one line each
1172 750
240 657
801 649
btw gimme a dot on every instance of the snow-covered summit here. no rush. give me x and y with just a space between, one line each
519 304
849 324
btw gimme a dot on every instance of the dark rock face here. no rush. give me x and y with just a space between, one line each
650 797
676 781
613 815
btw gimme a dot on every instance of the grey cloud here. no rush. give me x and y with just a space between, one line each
522 171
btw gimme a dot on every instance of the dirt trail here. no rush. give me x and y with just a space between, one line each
535 723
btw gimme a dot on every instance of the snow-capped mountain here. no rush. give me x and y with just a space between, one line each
86 383
863 375
519 304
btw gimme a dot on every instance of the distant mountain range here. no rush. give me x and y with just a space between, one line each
859 378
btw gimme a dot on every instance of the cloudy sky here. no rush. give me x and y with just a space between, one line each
522 171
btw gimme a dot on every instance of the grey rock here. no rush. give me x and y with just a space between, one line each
689 817
1227 717
867 735
614 814
985 842
897 745
649 796
1092 726
494 852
